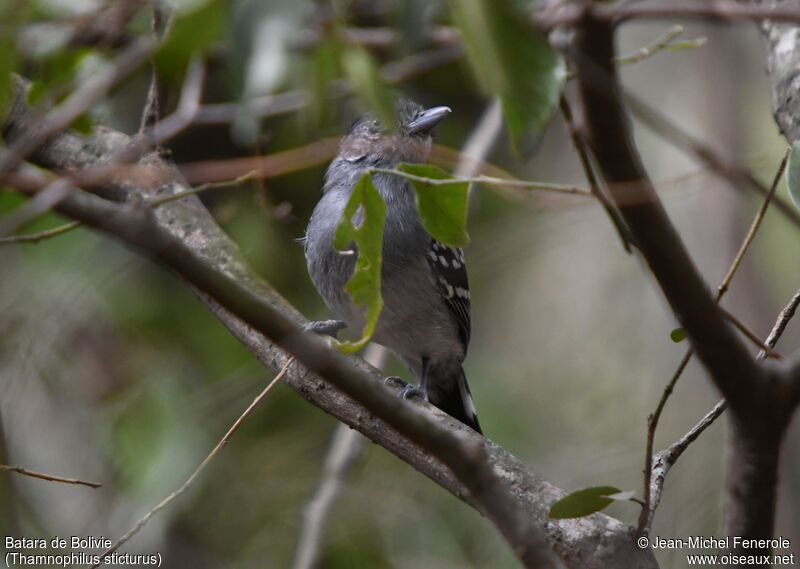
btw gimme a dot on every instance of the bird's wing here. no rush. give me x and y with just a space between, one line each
450 276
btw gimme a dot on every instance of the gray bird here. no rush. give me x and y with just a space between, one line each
426 313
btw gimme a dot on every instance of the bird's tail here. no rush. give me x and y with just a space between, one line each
452 396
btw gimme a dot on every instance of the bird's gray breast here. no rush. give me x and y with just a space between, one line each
414 318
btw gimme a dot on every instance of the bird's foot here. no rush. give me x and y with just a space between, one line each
407 390
325 327
411 390
395 381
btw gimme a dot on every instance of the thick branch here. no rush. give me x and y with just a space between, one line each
758 415
609 135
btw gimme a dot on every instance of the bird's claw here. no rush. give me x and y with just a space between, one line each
411 390
394 381
325 327
407 390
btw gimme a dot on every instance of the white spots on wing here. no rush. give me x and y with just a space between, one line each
462 292
447 288
447 256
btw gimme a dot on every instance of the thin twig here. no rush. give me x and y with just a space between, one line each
756 223
666 459
750 335
152 105
203 188
780 324
39 236
582 149
664 43
49 477
648 510
183 117
166 501
646 515
486 180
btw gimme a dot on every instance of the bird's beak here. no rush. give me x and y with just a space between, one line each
429 118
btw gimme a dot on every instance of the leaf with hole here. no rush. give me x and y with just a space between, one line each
360 232
442 207
587 501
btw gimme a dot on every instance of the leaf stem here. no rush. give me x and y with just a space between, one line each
490 181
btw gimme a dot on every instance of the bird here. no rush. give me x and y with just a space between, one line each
426 318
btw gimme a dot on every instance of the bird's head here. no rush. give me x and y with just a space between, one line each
370 141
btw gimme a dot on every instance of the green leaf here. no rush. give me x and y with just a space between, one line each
793 174
442 207
362 225
514 61
192 33
361 69
585 502
678 335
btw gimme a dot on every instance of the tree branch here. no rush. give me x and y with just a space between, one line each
48 477
608 132
759 413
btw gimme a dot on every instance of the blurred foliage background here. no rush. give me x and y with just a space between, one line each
111 369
